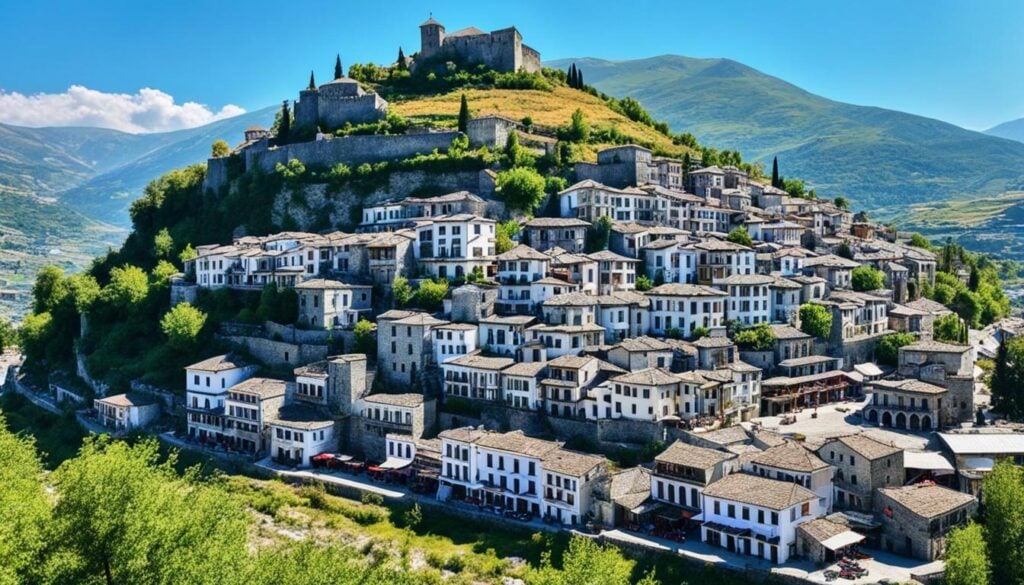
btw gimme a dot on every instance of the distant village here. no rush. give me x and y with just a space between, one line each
545 354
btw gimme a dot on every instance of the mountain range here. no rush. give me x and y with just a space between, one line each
1013 130
878 158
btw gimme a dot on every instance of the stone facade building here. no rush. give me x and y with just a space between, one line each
500 50
336 103
404 345
917 518
862 465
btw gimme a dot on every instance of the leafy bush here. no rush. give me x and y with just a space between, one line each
815 320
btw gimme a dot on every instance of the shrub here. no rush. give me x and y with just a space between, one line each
815 320
521 188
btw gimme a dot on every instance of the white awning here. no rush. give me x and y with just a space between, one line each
841 540
927 460
395 463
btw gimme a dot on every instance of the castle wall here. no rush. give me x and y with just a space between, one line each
336 112
216 174
307 109
351 150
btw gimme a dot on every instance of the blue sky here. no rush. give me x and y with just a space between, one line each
962 62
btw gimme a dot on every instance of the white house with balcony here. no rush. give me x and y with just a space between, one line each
298 432
475 377
757 516
452 340
206 388
504 335
450 246
685 307
518 269
749 299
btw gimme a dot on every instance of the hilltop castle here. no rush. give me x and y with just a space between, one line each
336 102
501 50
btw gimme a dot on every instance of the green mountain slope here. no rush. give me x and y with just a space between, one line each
1012 130
879 158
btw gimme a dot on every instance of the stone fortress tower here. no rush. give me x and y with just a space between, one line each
500 50
336 103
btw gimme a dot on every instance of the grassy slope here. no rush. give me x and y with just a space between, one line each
876 157
547 109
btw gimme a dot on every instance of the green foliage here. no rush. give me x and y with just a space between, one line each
865 278
586 562
888 349
578 129
220 148
842 203
698 332
161 274
598 234
401 291
24 508
643 283
182 325
740 236
282 126
8 335
1003 493
503 234
760 337
966 557
366 337
951 328
919 241
521 188
280 305
463 115
843 251
49 290
815 320
127 288
1007 380
431 293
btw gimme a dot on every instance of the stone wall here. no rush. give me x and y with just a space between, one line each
351 150
335 113
273 352
183 292
340 206
216 174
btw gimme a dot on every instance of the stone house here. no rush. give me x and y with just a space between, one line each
450 246
719 259
298 432
126 412
862 465
836 270
521 384
474 376
793 462
909 404
650 394
452 340
749 301
504 335
682 472
685 307
380 414
518 269
206 388
390 255
545 233
638 353
500 50
566 339
404 343
329 304
916 518
575 269
944 364
249 407
823 541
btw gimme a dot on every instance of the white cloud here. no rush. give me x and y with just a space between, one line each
149 110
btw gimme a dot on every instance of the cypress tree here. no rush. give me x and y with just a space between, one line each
1003 399
571 77
337 67
463 115
401 60
775 172
975 278
285 129
312 82
579 79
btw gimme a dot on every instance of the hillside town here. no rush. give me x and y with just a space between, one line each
675 353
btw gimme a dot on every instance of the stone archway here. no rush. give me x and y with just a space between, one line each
926 422
915 423
873 416
901 420
887 419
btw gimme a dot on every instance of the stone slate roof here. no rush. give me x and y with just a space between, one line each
218 363
322 284
927 499
409 400
791 456
647 377
685 290
571 299
556 222
759 491
783 331
725 436
312 370
937 346
866 446
680 453
523 252
910 385
822 529
128 400
711 342
264 387
527 369
571 463
300 416
481 362
643 343
516 442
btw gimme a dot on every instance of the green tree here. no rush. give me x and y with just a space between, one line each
401 291
503 234
220 148
365 337
35 335
974 281
578 129
919 241
842 203
760 337
598 234
125 518
843 251
187 254
521 188
643 283
888 349
49 290
127 288
1002 491
161 274
775 173
969 306
284 124
182 325
815 320
865 278
950 328
585 562
8 335
431 293
400 62
25 515
740 236
163 244
338 73
84 291
966 557
463 115
1007 380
